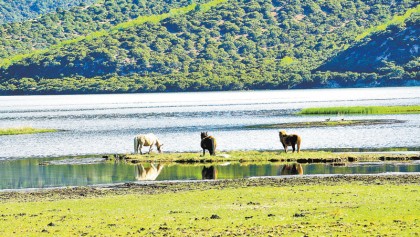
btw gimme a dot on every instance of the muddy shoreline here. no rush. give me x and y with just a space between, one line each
160 187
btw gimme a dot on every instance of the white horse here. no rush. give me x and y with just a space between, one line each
149 140
150 173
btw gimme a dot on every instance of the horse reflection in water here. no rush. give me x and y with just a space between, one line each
293 169
209 172
150 173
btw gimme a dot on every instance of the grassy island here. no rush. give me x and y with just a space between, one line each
266 156
414 109
24 130
329 123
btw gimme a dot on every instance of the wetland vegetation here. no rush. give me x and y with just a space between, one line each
413 109
264 156
24 130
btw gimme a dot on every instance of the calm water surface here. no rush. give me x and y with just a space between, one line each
28 173
98 124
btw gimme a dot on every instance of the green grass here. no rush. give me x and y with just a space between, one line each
24 130
241 156
396 20
264 156
414 109
336 208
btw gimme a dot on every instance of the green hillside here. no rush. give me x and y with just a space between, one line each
189 46
388 56
15 11
55 28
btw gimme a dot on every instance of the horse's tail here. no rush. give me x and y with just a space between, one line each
213 146
136 145
298 143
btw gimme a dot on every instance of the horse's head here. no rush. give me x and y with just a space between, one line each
158 146
282 133
203 135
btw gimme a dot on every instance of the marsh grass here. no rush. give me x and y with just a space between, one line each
414 109
24 130
241 156
338 208
264 156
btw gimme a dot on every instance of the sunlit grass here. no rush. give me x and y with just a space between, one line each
242 156
345 209
24 130
263 156
414 109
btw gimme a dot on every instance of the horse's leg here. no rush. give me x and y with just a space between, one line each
150 149
213 148
293 146
284 147
298 145
141 146
204 152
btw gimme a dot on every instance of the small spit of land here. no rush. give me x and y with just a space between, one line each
414 109
350 205
268 156
24 130
326 123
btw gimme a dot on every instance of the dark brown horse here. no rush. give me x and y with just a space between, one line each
290 140
208 143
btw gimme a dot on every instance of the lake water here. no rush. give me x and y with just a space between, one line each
28 173
106 124
99 124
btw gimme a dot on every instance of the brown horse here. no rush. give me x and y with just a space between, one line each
209 172
209 143
290 140
292 169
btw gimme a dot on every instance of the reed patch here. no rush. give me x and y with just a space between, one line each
413 109
24 130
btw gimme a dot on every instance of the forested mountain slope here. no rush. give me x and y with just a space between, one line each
216 45
14 11
50 29
393 53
